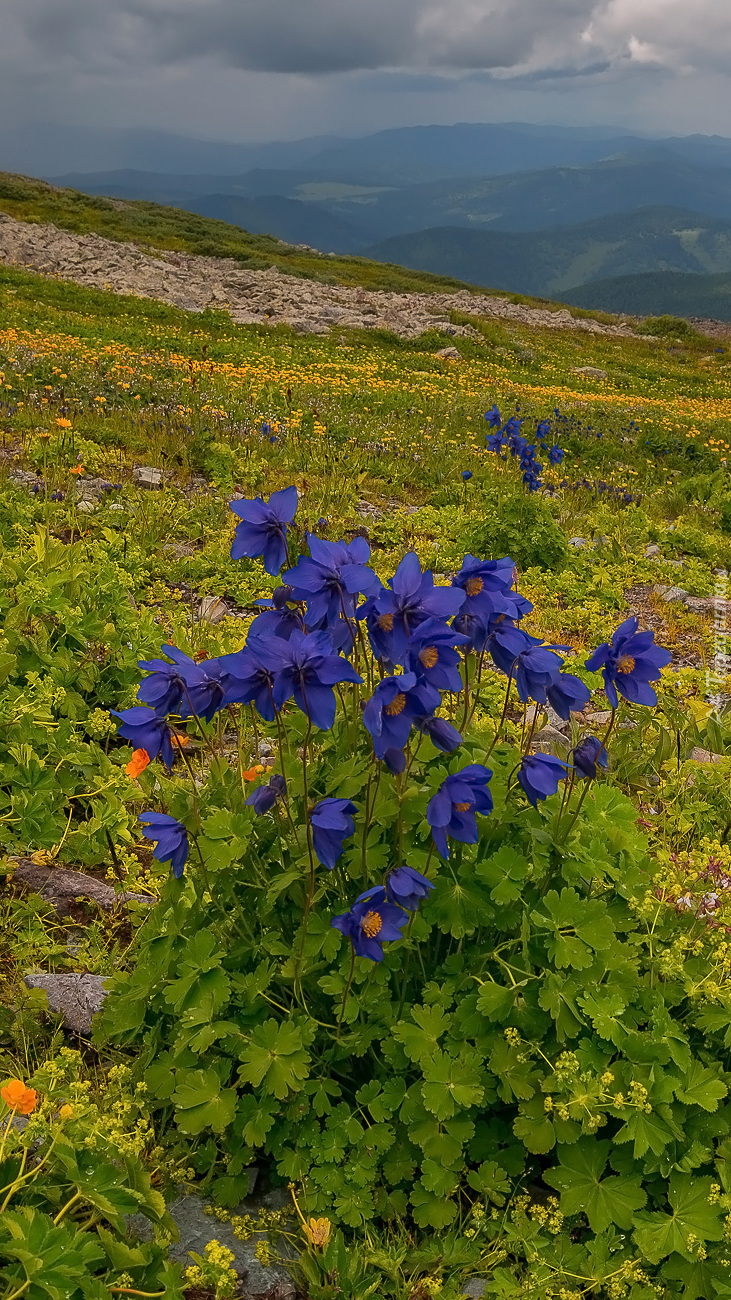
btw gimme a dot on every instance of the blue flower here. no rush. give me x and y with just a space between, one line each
542 430
534 671
371 922
505 642
247 677
629 663
466 474
431 654
181 687
306 668
172 839
440 732
330 578
263 528
495 442
587 755
487 587
493 417
281 616
146 731
407 887
398 609
556 455
392 708
451 811
539 776
265 796
567 694
332 824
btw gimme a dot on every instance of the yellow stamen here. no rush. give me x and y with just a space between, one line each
371 925
429 656
473 586
396 706
462 807
385 622
625 664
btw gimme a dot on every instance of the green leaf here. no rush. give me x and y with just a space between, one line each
201 1103
701 1087
421 1040
431 1210
583 1190
450 1085
692 1218
578 927
495 1001
275 1058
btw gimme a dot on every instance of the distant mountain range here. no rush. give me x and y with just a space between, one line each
550 262
660 293
540 210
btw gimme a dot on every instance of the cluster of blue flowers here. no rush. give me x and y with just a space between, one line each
300 646
508 438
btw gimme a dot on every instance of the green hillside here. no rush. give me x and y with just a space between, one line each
553 261
658 294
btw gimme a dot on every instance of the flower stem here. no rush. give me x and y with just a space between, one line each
346 992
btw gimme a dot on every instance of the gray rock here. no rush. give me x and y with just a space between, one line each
599 719
265 749
76 997
475 1288
578 542
449 354
699 755
652 551
60 886
146 476
212 609
196 1229
549 740
591 372
671 594
599 541
677 564
85 507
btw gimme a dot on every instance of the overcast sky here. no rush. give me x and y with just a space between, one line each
249 70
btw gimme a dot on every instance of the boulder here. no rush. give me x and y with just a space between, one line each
77 998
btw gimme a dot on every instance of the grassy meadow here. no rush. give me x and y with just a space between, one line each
384 442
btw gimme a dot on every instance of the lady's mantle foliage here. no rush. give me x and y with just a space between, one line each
414 1029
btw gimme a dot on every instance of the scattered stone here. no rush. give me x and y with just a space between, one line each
670 594
85 507
269 296
449 354
600 719
699 755
599 541
212 609
652 551
578 542
550 739
60 887
196 1228
677 564
591 372
475 1289
264 749
77 998
146 476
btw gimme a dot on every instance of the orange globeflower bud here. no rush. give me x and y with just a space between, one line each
137 763
253 772
179 739
19 1098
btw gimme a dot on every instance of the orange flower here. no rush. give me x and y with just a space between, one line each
137 763
62 423
77 469
179 739
318 1232
253 772
19 1098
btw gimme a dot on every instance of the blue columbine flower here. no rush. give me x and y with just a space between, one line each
247 677
487 587
466 474
587 755
441 733
263 528
265 796
451 811
371 922
540 775
431 654
398 609
407 887
629 663
556 455
332 824
534 670
172 839
330 578
493 417
183 686
392 708
567 694
282 616
495 442
146 731
306 668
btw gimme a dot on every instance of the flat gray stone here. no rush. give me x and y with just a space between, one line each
475 1289
76 997
591 372
652 551
699 755
60 886
146 476
578 542
671 594
212 609
550 741
196 1229
449 354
